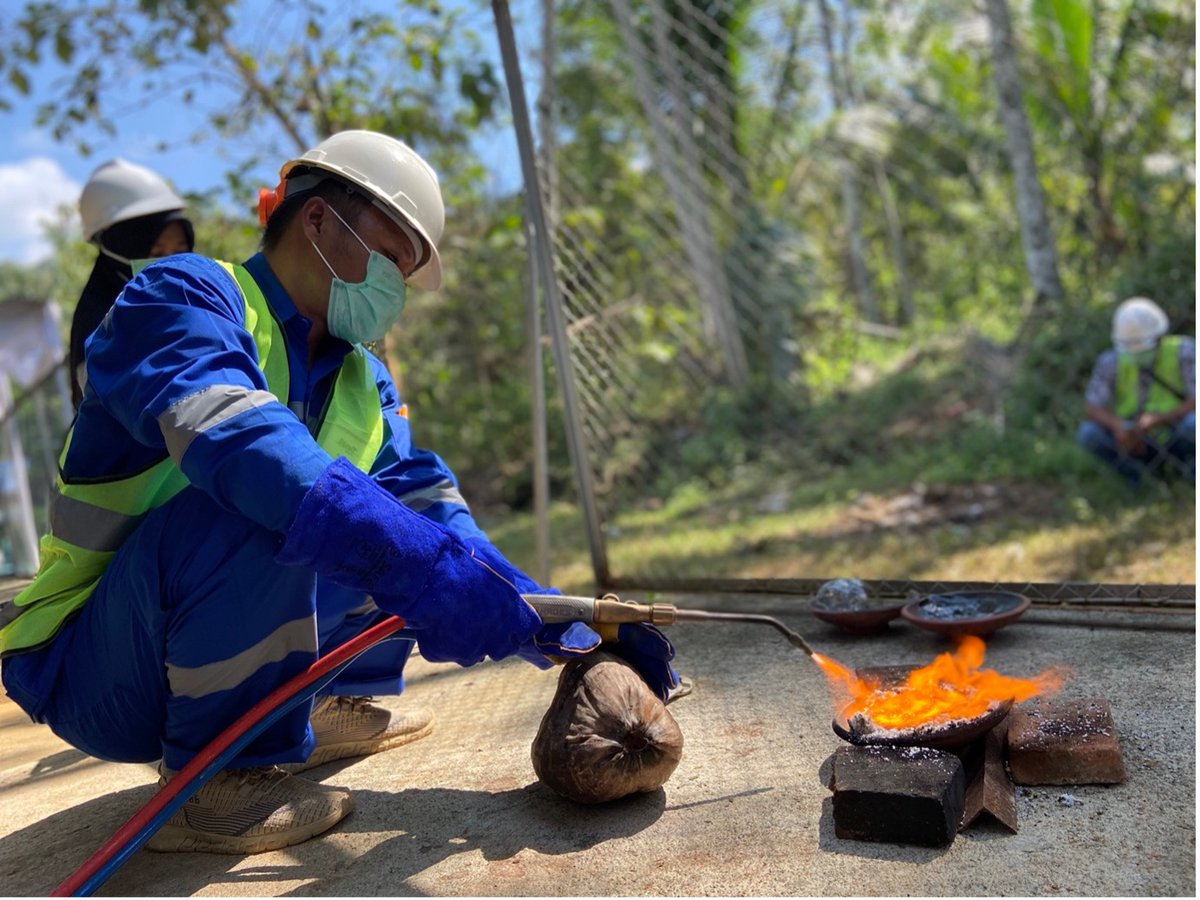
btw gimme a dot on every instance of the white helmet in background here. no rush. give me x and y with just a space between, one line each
1138 324
400 183
120 190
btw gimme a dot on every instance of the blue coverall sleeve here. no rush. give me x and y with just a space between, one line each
174 365
417 477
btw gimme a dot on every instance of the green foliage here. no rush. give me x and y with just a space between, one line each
1109 93
462 361
1167 274
19 282
1063 30
60 277
416 72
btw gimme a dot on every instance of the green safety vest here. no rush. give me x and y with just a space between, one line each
89 521
1158 399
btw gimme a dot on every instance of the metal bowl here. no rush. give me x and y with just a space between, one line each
966 612
949 736
845 603
858 621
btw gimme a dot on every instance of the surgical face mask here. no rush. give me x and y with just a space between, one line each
135 265
364 311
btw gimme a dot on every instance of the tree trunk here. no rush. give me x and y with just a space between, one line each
907 312
674 153
1037 239
860 275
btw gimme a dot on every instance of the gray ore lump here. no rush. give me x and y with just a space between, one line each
606 735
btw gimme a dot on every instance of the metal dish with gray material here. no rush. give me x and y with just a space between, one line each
966 612
845 603
950 735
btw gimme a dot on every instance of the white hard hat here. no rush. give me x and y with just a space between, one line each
1138 324
120 190
402 184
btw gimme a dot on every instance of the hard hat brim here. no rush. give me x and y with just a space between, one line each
429 276
1136 346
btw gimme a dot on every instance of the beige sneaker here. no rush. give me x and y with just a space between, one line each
685 687
353 726
251 811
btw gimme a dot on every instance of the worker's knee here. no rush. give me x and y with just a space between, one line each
1185 428
191 551
1094 437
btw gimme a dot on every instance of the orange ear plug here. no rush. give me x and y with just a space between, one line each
268 200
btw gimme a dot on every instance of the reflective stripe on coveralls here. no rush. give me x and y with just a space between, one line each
442 492
1158 398
199 681
89 521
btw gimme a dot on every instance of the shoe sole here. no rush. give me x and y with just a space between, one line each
181 839
681 690
333 752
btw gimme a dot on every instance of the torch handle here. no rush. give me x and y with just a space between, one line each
607 610
552 608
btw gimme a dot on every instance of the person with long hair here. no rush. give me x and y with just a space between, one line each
130 214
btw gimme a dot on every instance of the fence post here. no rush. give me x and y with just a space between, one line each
16 503
554 308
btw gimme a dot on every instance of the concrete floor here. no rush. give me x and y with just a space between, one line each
746 813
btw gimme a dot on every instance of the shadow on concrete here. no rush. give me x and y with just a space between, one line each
724 798
441 823
825 772
56 762
37 858
62 763
436 824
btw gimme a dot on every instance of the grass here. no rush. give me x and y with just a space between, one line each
1146 542
906 477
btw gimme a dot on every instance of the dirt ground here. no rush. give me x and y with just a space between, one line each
747 812
927 506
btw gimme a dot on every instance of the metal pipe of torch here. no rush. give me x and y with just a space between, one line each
611 610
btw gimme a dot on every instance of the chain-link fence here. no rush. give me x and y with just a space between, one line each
705 331
33 425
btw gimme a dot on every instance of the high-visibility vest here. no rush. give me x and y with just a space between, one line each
1159 399
89 521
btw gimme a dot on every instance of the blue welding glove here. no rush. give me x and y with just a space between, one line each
641 645
564 640
355 533
488 552
558 642
647 649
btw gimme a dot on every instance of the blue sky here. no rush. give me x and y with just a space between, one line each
39 175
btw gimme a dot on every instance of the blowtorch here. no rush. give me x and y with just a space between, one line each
607 613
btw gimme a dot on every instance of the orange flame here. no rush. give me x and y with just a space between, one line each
951 687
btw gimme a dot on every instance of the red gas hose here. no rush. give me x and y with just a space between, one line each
125 840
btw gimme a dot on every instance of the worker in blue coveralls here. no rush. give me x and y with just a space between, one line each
240 494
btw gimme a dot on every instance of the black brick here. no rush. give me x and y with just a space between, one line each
897 795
